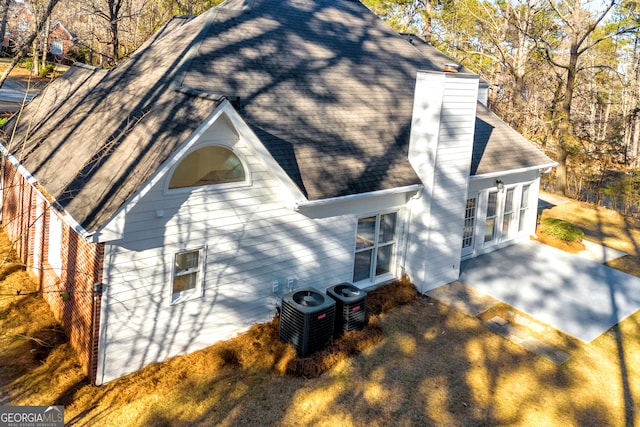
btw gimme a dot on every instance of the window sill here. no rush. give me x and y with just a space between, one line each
185 296
379 280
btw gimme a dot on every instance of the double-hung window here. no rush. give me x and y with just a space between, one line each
187 275
375 247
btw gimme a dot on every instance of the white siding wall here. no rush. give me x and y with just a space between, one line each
251 240
440 150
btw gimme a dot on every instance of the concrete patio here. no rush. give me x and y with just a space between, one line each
571 293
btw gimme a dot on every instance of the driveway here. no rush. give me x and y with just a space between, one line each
12 95
571 293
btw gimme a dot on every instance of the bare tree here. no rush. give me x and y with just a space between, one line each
5 16
22 49
112 13
578 24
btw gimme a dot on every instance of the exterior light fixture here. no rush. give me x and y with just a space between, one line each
500 185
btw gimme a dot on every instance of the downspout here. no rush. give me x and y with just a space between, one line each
96 308
95 335
2 192
407 232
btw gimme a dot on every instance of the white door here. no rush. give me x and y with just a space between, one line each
469 231
501 216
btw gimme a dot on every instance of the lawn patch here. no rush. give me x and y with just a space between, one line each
561 229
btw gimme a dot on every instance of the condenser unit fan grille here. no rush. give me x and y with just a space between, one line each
308 298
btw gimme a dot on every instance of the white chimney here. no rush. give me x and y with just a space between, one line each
440 148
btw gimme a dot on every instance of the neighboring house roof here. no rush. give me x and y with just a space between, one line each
59 25
326 85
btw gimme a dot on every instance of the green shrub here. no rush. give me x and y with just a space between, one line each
562 229
26 63
48 68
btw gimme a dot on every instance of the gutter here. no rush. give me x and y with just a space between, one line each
53 203
21 169
351 197
546 168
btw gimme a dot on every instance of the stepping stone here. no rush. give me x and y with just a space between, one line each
512 330
531 324
537 327
500 326
497 328
516 339
498 320
521 320
540 348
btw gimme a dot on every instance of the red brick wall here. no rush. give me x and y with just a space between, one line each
17 198
82 265
59 33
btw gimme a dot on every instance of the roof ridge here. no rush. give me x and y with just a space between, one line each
247 6
177 83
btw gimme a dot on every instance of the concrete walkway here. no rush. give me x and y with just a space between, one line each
571 293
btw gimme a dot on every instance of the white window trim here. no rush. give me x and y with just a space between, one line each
189 294
200 188
54 247
396 242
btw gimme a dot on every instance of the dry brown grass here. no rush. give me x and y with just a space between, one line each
418 363
31 341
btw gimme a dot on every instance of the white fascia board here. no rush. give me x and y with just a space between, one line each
225 108
115 234
64 215
546 168
358 203
330 201
15 162
292 194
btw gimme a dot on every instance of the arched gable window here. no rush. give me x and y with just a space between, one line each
208 166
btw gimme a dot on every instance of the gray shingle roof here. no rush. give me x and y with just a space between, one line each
498 148
92 138
325 84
